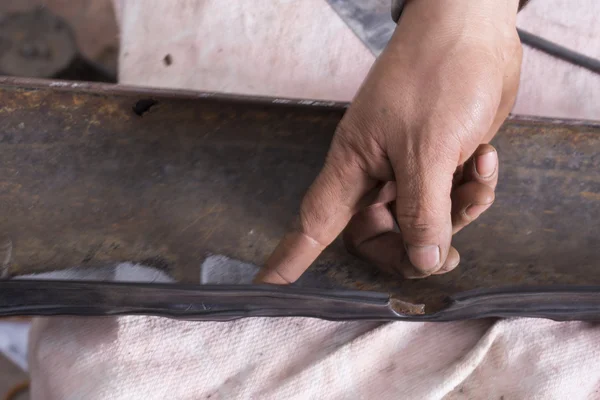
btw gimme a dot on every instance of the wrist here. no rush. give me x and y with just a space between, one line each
479 17
483 23
398 6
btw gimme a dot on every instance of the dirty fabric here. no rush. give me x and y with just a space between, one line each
300 358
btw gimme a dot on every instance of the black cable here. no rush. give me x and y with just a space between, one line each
559 51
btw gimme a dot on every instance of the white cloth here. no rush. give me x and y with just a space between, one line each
299 358
13 342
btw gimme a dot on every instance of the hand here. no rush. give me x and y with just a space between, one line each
411 148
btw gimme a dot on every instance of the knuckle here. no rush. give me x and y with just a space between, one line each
309 222
321 217
419 230
417 225
419 219
283 278
489 197
344 155
356 145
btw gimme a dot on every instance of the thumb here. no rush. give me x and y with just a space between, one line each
423 210
326 209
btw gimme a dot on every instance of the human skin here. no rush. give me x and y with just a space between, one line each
411 151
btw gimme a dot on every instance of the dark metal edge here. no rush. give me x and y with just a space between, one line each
94 88
226 302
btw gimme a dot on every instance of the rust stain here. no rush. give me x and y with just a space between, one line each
33 98
210 116
590 196
209 233
78 100
260 115
9 186
556 173
215 209
110 108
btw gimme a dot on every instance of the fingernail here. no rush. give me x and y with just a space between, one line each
485 164
475 210
448 268
452 265
424 258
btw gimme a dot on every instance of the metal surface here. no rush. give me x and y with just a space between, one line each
91 174
227 302
370 20
222 302
558 51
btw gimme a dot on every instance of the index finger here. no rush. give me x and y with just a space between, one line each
326 209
